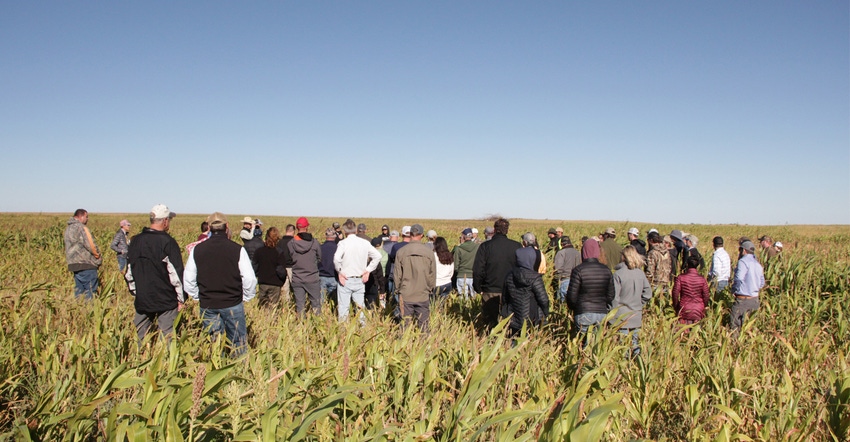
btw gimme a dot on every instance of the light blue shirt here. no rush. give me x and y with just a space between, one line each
749 277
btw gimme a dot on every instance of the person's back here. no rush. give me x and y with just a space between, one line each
525 297
328 248
415 272
269 264
690 293
251 246
658 265
306 256
493 261
154 262
218 275
631 292
591 288
565 261
464 257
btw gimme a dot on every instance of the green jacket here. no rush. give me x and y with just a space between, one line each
464 255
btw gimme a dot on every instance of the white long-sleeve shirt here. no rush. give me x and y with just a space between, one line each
246 270
355 256
721 266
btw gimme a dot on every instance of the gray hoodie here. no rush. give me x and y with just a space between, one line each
306 257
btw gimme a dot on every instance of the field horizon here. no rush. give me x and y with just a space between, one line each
73 370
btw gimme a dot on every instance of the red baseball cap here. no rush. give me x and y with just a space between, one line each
302 222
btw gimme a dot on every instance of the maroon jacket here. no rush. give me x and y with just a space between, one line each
690 295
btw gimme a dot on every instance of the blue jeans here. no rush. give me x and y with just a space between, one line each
231 321
464 287
85 282
562 289
329 286
635 345
585 320
122 263
353 290
443 290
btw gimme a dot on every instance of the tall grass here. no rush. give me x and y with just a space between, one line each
72 369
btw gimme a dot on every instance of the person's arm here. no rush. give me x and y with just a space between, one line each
677 291
432 274
373 263
540 295
174 265
646 293
740 275
704 293
715 264
398 271
249 279
338 254
280 266
89 244
651 270
573 289
117 240
559 262
610 296
190 277
479 272
618 288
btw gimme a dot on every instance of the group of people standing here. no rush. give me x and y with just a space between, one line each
402 269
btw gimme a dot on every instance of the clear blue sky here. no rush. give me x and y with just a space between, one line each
672 112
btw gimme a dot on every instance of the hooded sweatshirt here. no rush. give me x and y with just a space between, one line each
306 257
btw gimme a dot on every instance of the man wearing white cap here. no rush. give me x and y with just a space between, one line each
120 243
636 242
155 275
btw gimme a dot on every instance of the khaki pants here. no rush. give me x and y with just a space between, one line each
286 288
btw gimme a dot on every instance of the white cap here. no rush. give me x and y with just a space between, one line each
653 230
778 245
474 230
161 211
405 231
634 231
431 234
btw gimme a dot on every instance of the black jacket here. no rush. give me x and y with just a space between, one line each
493 261
591 288
251 246
269 266
640 246
525 297
155 261
284 250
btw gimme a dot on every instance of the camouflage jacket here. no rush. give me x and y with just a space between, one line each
80 248
658 265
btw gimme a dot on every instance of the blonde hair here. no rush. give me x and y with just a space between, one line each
632 258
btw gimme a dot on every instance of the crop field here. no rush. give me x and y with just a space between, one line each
72 370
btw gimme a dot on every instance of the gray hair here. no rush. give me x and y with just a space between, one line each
693 239
529 238
349 227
